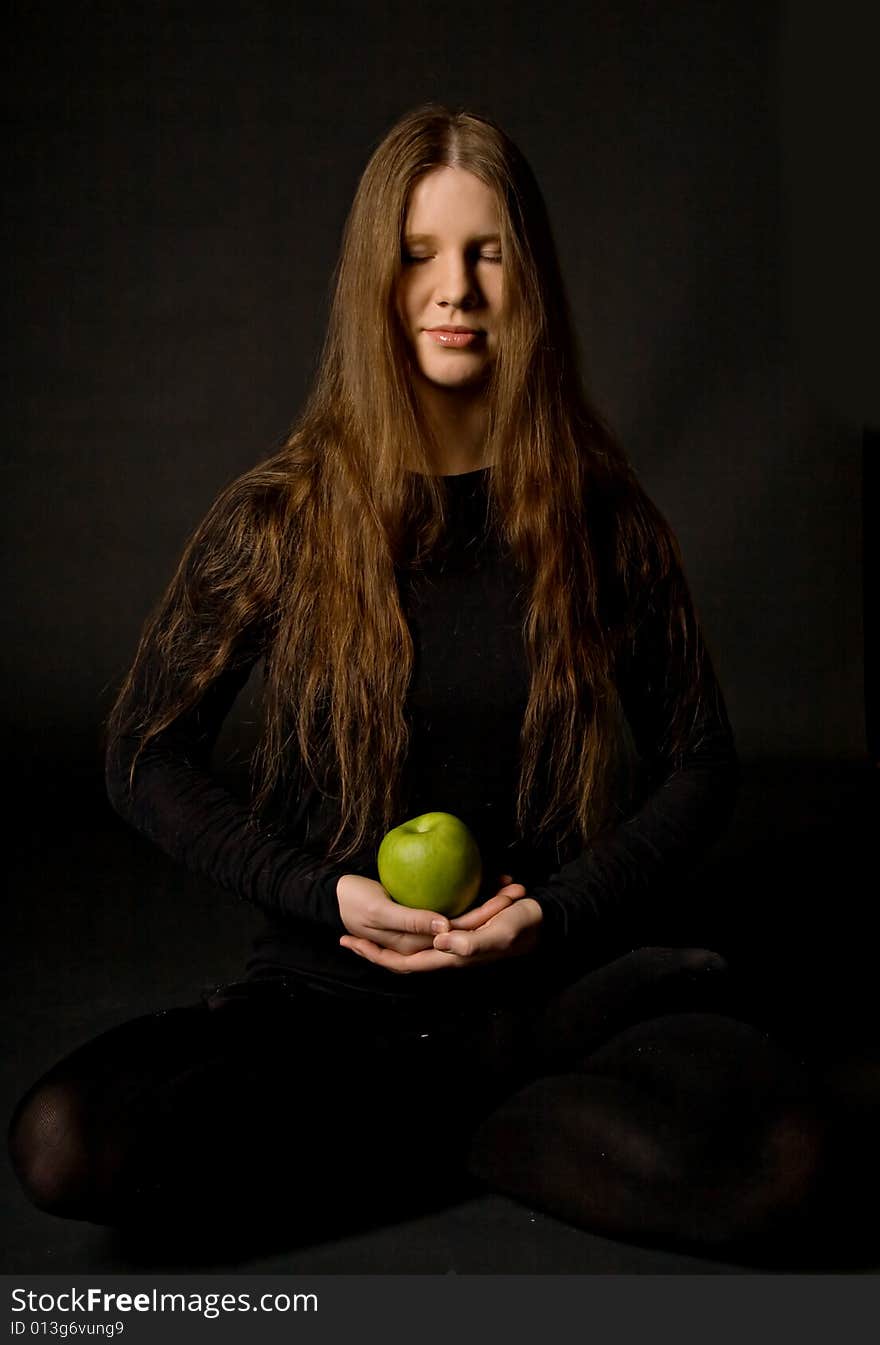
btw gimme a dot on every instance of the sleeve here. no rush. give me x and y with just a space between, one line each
599 899
178 803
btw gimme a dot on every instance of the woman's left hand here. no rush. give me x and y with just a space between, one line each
504 926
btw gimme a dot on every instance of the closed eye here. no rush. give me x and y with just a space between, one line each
483 256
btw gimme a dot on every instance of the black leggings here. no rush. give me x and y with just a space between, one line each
634 1103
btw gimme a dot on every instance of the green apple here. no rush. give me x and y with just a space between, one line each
432 862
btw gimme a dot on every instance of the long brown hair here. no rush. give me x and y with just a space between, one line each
298 556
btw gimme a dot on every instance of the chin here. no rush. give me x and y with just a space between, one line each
452 379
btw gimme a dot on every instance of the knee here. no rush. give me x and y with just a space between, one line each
48 1149
682 962
790 1164
699 960
757 1190
564 1138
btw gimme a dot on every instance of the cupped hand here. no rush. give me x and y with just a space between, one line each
504 926
370 916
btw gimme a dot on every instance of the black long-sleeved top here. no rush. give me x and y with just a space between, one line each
466 701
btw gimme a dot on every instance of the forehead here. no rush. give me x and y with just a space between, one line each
451 199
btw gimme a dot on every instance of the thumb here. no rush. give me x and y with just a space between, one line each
416 920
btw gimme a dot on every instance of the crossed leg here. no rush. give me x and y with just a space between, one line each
684 1127
620 1108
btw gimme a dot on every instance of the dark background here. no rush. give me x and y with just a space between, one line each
177 180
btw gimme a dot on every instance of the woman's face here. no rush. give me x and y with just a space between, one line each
450 277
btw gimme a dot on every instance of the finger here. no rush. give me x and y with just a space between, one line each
408 919
457 941
363 947
471 945
480 914
403 943
350 945
495 938
427 960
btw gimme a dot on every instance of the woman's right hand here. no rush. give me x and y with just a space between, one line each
368 912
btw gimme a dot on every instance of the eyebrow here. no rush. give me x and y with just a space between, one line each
429 238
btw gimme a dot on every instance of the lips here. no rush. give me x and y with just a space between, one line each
453 336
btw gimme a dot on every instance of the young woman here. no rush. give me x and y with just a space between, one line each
463 601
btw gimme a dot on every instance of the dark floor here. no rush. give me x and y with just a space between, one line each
102 928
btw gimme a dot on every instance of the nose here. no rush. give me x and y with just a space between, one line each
456 285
